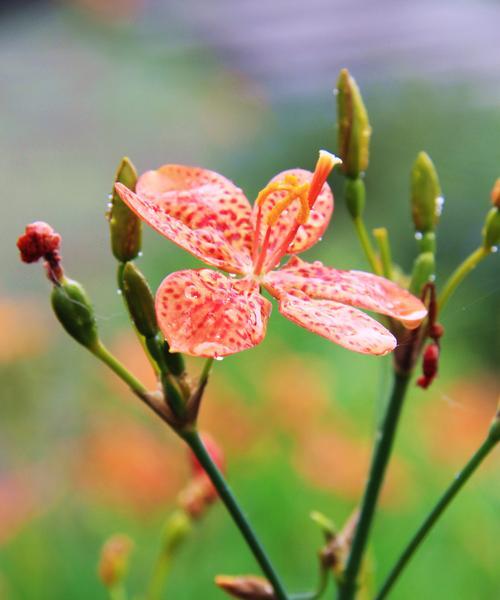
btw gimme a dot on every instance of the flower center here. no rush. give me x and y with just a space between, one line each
306 193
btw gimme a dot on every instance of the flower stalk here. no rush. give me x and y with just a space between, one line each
194 441
385 439
458 483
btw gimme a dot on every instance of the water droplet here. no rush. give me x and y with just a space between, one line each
110 196
432 278
494 248
140 253
219 358
110 205
119 292
418 235
439 205
232 275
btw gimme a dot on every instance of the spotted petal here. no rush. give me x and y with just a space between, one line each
317 222
355 288
204 313
341 324
206 243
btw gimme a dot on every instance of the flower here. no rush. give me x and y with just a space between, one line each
204 313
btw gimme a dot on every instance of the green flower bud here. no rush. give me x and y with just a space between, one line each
177 527
491 230
426 199
140 301
174 360
423 272
355 197
75 313
124 226
113 564
353 127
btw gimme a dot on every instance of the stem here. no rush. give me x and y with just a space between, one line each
117 592
385 439
194 441
159 576
461 272
366 244
315 594
101 352
459 481
382 237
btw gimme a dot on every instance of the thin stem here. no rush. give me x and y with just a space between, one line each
117 592
382 237
461 273
207 367
160 572
367 245
194 441
101 352
459 481
385 439
318 592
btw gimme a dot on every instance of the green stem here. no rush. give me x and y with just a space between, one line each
101 352
194 441
382 237
318 592
459 481
366 244
117 592
385 439
461 272
159 576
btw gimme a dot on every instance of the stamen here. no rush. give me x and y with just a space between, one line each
324 167
298 193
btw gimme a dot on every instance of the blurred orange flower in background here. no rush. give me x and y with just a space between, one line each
454 425
23 329
124 463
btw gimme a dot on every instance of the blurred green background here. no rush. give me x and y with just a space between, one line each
245 89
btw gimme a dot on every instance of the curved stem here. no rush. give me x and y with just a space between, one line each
367 245
461 272
385 439
194 441
318 592
459 481
101 352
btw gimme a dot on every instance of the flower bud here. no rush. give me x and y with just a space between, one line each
140 300
430 363
423 272
495 194
491 229
41 241
124 226
176 529
426 199
75 312
353 127
113 564
355 196
246 587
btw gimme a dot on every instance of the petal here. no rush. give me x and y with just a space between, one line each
204 313
207 243
341 324
309 233
200 198
355 288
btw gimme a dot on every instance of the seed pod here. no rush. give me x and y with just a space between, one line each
124 226
426 199
140 301
353 127
74 311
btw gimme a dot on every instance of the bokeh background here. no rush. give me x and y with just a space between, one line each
244 88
